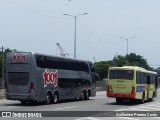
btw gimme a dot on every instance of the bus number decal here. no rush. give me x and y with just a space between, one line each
19 58
50 78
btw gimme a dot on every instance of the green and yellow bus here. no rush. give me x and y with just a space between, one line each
131 83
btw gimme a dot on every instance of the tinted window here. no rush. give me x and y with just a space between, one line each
61 63
18 78
121 74
144 78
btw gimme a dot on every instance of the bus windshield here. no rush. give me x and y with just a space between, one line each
121 74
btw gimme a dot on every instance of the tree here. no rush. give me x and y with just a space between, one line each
129 60
137 60
2 57
102 68
121 61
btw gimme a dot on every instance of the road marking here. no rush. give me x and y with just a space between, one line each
148 108
64 108
128 118
155 118
88 118
123 109
136 109
9 107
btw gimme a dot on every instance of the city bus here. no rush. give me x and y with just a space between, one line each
131 83
33 77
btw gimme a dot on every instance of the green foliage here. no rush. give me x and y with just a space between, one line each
102 68
137 60
119 61
2 57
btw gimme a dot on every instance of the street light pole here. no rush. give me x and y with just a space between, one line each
127 41
2 55
75 37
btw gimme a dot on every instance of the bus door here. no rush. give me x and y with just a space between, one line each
156 85
18 67
148 86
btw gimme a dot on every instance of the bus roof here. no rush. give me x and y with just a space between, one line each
136 68
34 53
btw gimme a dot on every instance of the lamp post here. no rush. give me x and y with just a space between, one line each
2 54
127 41
75 18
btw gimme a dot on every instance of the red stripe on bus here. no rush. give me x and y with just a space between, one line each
121 95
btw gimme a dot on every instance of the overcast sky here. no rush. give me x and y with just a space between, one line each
37 25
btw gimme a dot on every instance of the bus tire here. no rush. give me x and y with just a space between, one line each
23 102
82 96
55 98
87 96
48 99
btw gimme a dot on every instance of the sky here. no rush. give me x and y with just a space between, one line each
37 25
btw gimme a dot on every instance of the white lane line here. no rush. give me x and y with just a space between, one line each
88 118
9 107
148 108
128 118
136 109
123 109
64 108
155 118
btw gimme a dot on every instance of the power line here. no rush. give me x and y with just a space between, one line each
97 37
32 11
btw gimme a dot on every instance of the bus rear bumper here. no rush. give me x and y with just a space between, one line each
121 95
19 97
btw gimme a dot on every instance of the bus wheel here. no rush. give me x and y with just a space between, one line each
87 96
48 99
82 96
55 98
23 102
119 100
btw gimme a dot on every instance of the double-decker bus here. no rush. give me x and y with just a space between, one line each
131 83
32 77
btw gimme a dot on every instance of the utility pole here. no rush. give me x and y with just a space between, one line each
2 82
75 33
94 60
127 41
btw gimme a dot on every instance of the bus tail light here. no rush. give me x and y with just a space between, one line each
133 89
31 87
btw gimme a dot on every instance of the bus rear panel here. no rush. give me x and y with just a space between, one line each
121 84
18 76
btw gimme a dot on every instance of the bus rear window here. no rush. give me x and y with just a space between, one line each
121 74
18 78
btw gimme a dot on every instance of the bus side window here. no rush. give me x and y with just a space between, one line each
138 77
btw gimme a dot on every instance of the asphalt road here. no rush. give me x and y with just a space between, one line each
97 108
